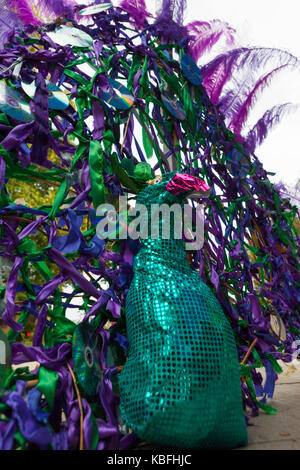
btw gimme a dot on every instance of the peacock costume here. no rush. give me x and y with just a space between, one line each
181 383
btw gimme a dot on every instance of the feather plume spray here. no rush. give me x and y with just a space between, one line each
172 10
236 91
169 22
8 19
214 82
218 72
291 192
204 35
49 10
178 9
137 10
24 11
271 118
242 114
241 85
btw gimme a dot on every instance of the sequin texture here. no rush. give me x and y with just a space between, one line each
181 384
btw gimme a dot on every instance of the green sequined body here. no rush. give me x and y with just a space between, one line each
180 385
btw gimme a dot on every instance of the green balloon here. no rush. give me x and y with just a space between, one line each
143 172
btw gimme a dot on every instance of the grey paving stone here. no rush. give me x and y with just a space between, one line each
288 444
280 431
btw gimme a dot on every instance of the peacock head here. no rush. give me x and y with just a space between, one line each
170 188
173 187
165 213
161 208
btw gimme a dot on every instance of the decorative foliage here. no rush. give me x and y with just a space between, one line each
206 34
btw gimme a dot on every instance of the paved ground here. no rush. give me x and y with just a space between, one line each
280 431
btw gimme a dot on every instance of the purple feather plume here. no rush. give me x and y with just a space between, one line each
24 11
51 9
261 129
206 34
8 20
172 10
218 72
137 10
215 81
14 13
169 22
291 192
241 116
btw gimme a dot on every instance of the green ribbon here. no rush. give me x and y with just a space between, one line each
80 150
96 173
76 76
95 434
245 372
59 198
276 367
122 175
135 66
47 384
144 81
21 440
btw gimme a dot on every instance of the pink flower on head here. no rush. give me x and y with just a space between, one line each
185 183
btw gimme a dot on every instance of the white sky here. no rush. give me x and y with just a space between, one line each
266 23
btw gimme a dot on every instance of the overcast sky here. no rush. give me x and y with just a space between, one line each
269 24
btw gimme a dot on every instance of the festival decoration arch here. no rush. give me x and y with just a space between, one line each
93 103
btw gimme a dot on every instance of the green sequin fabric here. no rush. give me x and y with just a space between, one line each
180 386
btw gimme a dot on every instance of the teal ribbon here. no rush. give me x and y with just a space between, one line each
96 173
